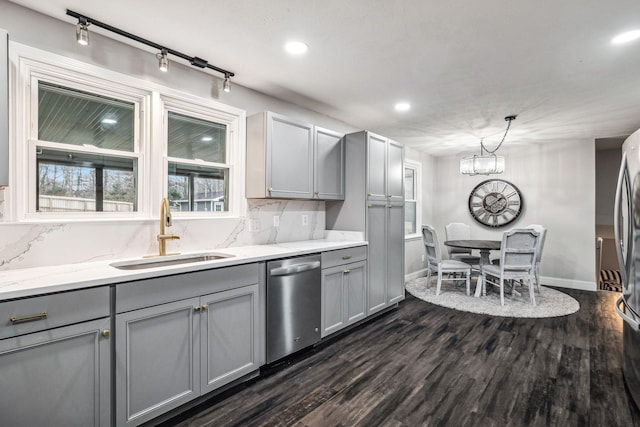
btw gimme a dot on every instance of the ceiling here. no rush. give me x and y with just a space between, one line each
463 65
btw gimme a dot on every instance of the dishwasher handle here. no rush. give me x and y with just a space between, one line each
293 269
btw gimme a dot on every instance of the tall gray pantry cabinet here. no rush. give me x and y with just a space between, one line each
374 204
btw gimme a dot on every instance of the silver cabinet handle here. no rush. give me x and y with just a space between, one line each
196 308
346 257
106 333
347 271
630 320
622 178
293 269
29 318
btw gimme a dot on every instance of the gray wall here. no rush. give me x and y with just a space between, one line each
607 166
557 182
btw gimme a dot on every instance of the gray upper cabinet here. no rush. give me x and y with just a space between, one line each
290 159
4 108
328 165
376 168
56 376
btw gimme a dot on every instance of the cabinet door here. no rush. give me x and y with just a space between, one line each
157 360
230 336
57 377
376 167
376 258
333 318
4 110
289 158
329 165
355 287
395 172
395 253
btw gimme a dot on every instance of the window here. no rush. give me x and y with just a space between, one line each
90 143
198 168
412 196
85 152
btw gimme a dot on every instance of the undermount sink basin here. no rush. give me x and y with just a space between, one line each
142 264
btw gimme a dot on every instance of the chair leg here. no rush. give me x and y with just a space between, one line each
479 286
501 291
469 283
428 278
439 282
531 291
537 273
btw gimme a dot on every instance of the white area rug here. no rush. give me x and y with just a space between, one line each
549 303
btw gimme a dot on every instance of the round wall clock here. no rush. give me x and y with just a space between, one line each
495 203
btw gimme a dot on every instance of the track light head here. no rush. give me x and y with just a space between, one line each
163 61
82 33
226 86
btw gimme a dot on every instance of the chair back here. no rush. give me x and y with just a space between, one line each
519 249
431 245
543 234
457 231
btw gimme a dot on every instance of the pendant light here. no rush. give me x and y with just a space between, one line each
489 163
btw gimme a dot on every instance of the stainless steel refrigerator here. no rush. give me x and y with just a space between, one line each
627 233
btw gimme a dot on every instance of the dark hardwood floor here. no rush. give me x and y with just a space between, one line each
424 365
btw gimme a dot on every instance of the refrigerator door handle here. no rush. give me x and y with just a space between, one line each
622 177
631 321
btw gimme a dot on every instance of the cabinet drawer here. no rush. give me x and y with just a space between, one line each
343 256
51 311
160 290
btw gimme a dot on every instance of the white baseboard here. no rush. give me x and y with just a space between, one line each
582 285
415 275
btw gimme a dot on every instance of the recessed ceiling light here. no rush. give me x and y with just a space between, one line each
402 106
109 121
296 48
626 37
207 138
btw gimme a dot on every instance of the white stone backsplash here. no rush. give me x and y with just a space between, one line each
25 245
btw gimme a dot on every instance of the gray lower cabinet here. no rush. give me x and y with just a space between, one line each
343 296
57 377
169 354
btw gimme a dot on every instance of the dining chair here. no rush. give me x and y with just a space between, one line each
543 234
460 231
518 253
435 263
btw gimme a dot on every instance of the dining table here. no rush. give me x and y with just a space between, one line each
483 246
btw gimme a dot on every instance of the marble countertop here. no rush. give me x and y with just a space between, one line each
42 280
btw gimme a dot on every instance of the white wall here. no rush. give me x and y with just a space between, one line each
557 182
38 244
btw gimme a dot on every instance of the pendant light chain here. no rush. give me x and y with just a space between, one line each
483 148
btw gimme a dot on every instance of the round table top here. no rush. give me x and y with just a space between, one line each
492 245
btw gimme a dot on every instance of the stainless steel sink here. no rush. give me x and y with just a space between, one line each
141 264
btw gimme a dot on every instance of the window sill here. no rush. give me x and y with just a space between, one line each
410 237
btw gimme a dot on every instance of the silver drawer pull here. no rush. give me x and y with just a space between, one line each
347 271
38 316
346 257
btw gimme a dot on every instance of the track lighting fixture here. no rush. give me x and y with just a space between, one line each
82 37
226 86
82 33
163 61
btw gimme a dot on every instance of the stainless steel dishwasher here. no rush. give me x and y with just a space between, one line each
293 305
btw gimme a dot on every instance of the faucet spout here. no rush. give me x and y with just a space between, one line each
165 221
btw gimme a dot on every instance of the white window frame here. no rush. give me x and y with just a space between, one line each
28 64
417 176
210 111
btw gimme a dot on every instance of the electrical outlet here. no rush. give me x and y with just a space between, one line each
276 221
422 257
254 225
305 220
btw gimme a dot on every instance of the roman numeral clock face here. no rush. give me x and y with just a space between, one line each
495 203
